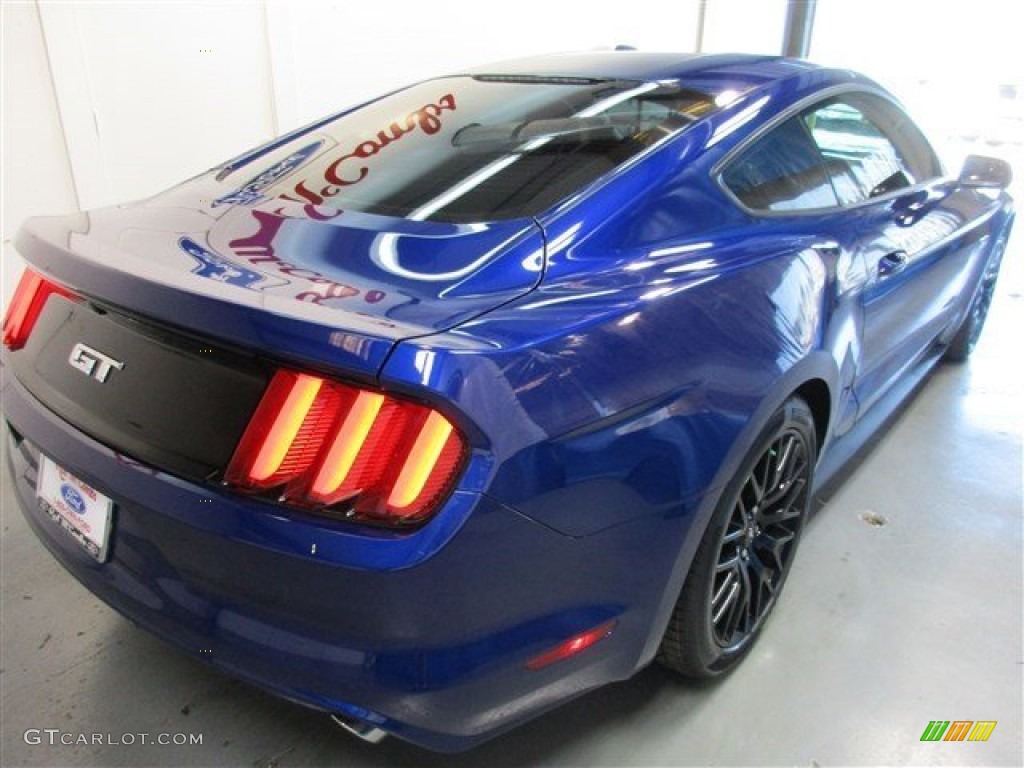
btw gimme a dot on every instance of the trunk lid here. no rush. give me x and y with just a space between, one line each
253 255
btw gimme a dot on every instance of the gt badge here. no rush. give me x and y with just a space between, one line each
92 362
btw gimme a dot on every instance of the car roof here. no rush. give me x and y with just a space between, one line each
711 73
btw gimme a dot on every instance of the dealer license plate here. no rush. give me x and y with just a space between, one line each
78 508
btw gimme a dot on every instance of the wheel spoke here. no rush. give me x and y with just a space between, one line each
783 462
729 538
741 507
736 619
759 539
727 565
757 487
786 487
797 462
758 582
793 467
785 508
724 597
979 311
775 547
770 465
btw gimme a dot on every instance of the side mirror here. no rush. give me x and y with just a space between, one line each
986 173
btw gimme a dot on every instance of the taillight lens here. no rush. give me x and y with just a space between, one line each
320 444
28 301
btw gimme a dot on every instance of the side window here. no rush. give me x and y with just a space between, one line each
781 171
870 147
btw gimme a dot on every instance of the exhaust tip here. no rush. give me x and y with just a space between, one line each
360 728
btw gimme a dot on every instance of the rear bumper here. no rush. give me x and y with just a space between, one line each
432 649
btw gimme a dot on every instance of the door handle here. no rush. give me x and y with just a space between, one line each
892 263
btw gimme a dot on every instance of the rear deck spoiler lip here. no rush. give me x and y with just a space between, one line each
333 340
305 333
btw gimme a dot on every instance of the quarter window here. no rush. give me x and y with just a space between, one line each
781 171
870 147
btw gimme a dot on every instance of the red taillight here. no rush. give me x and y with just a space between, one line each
572 646
280 441
325 445
28 301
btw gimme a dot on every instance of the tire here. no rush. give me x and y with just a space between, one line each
745 555
966 338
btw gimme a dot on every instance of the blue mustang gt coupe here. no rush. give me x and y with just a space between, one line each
447 408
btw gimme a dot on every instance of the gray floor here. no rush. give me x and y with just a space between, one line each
881 629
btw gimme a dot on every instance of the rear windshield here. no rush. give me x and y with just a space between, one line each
463 149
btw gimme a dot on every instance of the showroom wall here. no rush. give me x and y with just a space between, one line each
36 172
106 102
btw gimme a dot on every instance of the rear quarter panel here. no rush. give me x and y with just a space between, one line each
668 324
618 397
616 402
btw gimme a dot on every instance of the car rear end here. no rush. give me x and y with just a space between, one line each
209 518
203 429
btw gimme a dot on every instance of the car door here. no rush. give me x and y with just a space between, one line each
898 225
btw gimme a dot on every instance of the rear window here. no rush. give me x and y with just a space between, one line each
483 148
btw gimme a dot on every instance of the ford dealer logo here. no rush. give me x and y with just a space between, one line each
73 499
216 267
252 190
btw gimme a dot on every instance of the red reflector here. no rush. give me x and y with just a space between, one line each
27 303
572 646
323 445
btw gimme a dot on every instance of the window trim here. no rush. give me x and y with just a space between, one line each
795 109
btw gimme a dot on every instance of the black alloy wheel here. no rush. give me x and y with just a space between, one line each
747 550
758 543
966 338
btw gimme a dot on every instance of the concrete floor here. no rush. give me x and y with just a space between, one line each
881 629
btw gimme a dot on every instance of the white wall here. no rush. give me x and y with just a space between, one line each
732 26
36 172
350 52
152 93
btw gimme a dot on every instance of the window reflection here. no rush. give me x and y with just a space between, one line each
483 148
781 171
869 146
